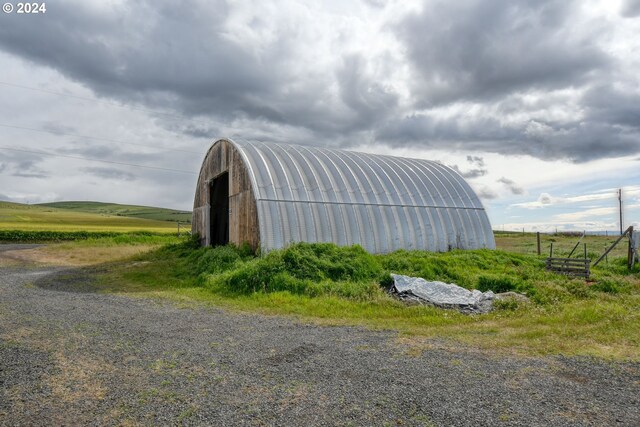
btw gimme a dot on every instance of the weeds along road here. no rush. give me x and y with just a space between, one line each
69 356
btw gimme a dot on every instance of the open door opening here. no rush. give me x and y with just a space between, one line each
219 214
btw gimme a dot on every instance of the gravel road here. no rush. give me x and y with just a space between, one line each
69 356
5 247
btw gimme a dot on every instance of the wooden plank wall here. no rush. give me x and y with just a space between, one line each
243 213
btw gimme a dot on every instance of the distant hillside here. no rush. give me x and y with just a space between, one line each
17 216
132 211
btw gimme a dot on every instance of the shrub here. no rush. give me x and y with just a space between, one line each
214 260
500 284
327 261
496 284
509 304
58 236
309 269
610 286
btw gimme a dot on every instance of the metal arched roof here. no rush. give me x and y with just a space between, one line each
382 203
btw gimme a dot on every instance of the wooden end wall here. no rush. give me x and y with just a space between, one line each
243 214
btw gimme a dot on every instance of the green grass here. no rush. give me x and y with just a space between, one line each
334 285
16 216
91 250
114 209
346 285
563 243
21 236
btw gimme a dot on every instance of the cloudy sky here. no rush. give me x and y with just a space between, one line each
536 103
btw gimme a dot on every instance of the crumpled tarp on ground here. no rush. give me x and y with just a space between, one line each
444 295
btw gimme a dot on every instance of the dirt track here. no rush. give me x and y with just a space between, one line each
69 356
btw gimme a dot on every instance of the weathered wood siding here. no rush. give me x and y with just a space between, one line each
243 215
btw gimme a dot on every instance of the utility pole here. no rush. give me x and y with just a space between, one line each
620 204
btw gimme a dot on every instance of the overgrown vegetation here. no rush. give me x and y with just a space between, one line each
24 236
324 269
346 285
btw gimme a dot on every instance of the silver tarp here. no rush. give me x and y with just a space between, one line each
446 295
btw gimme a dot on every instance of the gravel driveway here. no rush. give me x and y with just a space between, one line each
72 357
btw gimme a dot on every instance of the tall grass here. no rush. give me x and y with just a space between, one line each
27 236
347 285
324 269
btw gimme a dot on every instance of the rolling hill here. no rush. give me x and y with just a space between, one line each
132 211
17 216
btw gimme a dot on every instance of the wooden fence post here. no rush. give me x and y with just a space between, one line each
630 253
538 237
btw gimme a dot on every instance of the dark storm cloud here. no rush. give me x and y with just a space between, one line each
487 194
475 172
58 128
181 57
91 151
578 141
472 134
168 50
122 154
476 160
483 49
369 101
201 132
471 173
545 199
630 8
511 185
495 53
39 175
25 165
504 57
613 106
109 173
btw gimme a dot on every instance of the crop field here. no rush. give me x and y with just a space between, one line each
132 211
16 216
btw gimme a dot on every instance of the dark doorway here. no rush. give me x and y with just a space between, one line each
219 214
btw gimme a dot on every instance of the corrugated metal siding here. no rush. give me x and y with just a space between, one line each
382 203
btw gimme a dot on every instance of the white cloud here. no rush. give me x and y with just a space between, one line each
548 227
546 199
584 214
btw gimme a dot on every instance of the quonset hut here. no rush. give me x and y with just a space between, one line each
270 195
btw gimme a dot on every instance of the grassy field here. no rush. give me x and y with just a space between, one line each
346 286
90 252
16 216
563 243
114 209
